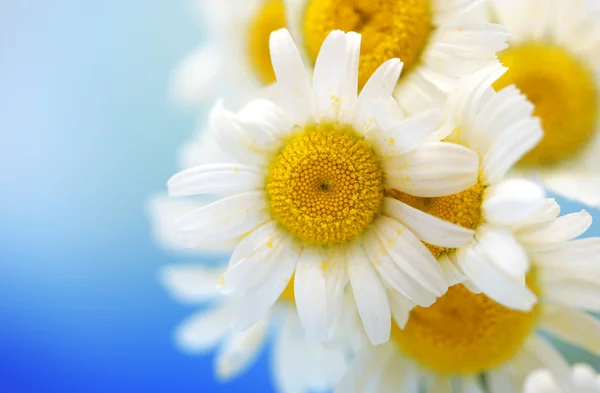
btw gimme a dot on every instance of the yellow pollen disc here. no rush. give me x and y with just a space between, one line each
464 333
463 209
564 93
389 28
270 17
325 185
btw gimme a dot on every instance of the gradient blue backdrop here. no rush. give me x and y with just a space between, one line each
87 134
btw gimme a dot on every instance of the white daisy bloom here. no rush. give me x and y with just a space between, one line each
500 128
298 365
305 185
426 35
234 59
466 338
554 60
585 379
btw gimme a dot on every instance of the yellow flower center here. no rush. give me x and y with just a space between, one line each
464 333
564 93
463 209
270 17
325 185
389 28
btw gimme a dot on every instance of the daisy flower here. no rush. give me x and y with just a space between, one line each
500 128
298 365
426 35
305 188
466 338
234 60
585 379
554 60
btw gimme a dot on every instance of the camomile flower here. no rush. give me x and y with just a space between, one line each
500 128
465 338
234 60
554 60
305 188
427 35
585 380
297 365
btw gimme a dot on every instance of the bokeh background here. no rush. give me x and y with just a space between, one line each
88 133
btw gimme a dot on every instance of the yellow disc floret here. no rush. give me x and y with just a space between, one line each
465 333
462 209
389 28
269 18
325 186
564 93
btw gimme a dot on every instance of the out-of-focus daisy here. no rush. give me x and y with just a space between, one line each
425 34
305 188
501 129
585 379
554 59
447 347
298 365
234 61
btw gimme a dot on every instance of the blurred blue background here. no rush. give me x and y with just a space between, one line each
88 133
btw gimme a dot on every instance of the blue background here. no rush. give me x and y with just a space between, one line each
88 133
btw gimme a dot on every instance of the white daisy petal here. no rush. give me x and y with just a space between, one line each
554 362
500 287
510 147
292 76
508 106
581 294
224 219
434 169
267 122
366 364
411 255
256 302
370 295
502 249
252 261
394 274
572 326
559 230
221 179
574 254
232 137
164 213
399 375
428 228
240 350
336 76
335 281
451 271
511 201
401 137
203 330
499 381
441 384
289 341
310 291
547 211
379 87
450 10
401 307
416 94
191 283
194 78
